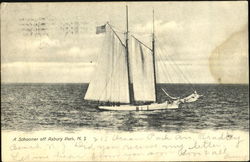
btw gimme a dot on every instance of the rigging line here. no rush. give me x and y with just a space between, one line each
170 59
165 71
161 66
176 70
141 42
165 65
131 31
123 32
117 30
174 98
172 67
116 34
184 76
191 75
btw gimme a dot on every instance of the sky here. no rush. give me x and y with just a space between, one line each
57 43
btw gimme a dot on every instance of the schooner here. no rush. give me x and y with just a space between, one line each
126 79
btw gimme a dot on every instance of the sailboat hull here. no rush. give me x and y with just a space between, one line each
154 106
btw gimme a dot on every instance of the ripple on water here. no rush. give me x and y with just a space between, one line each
52 106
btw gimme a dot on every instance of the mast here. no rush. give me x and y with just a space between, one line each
131 96
153 53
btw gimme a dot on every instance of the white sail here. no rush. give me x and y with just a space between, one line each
110 82
143 74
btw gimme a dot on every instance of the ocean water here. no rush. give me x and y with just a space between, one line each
61 106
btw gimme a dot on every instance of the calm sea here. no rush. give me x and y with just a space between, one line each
61 106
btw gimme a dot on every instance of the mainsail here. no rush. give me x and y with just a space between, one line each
143 74
110 83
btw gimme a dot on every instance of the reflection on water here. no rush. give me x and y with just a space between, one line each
61 106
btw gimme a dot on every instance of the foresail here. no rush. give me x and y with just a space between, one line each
110 81
143 74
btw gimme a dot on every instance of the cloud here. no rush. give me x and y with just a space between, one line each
74 50
47 72
160 27
34 43
47 42
77 54
45 49
185 32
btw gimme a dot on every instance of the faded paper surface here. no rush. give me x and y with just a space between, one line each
56 43
111 146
